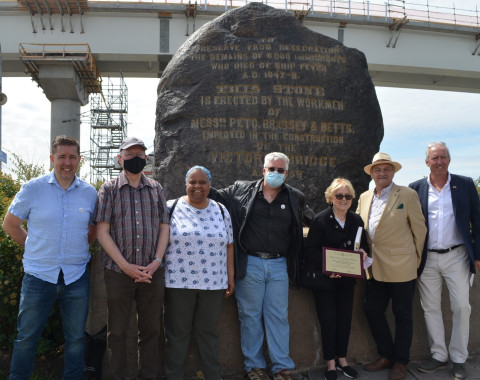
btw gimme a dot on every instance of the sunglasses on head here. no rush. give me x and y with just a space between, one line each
348 197
279 170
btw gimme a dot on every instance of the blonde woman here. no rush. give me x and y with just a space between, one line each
335 227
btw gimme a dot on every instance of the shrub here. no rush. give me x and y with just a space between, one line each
11 270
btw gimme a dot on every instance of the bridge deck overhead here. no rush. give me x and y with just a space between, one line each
404 48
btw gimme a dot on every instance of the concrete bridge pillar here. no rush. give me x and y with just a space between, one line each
63 87
65 118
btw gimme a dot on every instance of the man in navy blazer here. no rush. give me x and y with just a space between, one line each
451 207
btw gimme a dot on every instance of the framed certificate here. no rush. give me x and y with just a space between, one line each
342 262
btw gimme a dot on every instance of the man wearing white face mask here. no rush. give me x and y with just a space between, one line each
267 217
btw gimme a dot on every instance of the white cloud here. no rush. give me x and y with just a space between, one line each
412 118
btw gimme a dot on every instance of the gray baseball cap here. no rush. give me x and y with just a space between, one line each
131 141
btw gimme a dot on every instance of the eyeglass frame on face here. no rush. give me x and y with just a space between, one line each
272 169
348 197
128 155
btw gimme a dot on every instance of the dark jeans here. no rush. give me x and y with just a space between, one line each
377 297
121 292
334 311
36 302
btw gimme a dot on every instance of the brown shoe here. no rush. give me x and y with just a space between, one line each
398 372
258 374
379 365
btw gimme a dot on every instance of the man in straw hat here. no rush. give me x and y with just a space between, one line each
396 234
451 206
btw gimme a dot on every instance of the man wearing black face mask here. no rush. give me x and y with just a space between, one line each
132 226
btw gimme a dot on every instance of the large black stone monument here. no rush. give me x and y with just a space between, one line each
253 81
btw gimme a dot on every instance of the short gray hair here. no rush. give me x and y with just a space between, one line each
276 156
435 143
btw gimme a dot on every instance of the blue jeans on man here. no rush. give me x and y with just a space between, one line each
263 292
37 299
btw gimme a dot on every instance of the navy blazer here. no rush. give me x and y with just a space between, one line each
466 207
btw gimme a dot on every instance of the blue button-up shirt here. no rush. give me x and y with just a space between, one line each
58 222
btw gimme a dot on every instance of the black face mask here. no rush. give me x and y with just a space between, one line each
134 165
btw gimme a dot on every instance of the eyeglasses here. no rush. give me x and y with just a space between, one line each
129 155
273 168
347 197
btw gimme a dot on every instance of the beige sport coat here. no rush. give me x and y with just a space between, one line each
398 242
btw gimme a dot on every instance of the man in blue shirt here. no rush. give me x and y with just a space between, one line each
58 208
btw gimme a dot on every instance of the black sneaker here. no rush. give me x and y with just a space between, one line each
348 371
330 375
431 365
458 371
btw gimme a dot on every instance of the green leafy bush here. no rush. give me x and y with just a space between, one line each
11 270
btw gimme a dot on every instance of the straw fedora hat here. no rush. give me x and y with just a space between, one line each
382 158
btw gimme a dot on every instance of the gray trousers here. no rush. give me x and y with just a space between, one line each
454 268
187 310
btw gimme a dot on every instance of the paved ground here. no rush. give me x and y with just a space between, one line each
473 368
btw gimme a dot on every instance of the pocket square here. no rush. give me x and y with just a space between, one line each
400 207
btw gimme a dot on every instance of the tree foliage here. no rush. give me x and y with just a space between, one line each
11 270
23 170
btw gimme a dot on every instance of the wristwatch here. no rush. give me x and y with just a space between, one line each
159 259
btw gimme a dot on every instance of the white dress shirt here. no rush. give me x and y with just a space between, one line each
442 230
376 211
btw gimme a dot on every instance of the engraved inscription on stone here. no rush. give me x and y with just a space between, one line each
256 80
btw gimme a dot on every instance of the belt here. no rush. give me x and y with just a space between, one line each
265 255
445 250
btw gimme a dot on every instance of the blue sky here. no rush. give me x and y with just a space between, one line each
412 119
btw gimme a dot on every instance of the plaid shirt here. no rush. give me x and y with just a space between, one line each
134 215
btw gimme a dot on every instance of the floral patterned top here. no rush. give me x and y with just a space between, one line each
196 257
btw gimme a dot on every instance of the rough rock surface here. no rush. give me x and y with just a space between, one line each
253 81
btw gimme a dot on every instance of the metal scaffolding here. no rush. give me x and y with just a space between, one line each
33 55
108 127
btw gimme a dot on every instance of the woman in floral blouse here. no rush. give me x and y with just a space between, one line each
199 273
